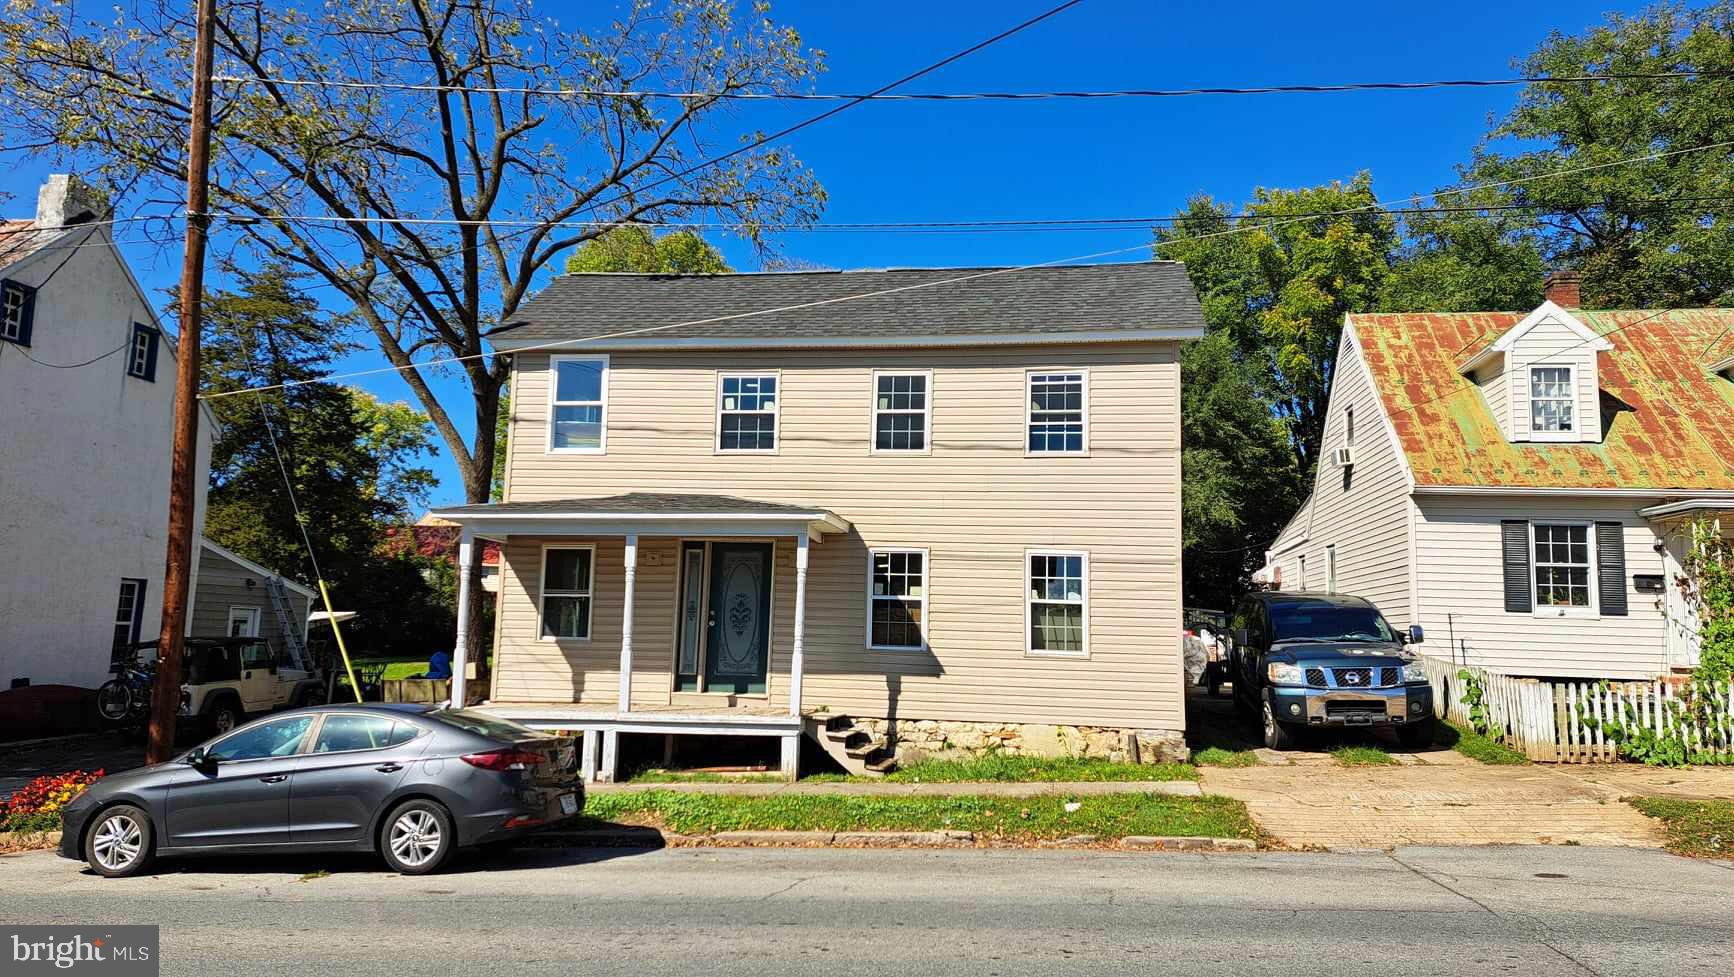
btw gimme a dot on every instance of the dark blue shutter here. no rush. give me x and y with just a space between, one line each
1611 567
156 339
1515 535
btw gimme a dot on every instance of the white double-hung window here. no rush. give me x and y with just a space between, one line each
567 578
1550 400
578 404
1056 593
746 417
1057 415
900 412
897 600
1562 565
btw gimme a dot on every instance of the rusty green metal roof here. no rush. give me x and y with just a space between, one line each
1671 426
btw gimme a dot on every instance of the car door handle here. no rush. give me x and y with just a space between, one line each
389 767
275 778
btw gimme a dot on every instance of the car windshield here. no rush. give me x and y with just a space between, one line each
1328 622
482 724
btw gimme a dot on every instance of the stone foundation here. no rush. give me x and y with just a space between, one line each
919 739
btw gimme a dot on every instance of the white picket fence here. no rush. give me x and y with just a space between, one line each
1546 720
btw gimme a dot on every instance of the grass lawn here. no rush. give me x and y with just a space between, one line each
1004 768
656 775
1361 756
1216 756
1700 829
1477 747
1107 816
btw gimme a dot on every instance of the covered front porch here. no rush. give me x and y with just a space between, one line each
684 604
1684 526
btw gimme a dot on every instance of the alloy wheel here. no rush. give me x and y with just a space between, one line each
118 841
224 720
415 838
1269 723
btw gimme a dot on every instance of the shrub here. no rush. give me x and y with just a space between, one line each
36 806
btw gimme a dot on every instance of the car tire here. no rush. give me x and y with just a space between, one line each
1277 736
119 842
1417 735
224 716
417 837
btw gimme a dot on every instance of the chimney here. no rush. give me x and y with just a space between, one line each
65 199
1564 288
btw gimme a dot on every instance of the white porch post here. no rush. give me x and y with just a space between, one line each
626 624
797 660
460 653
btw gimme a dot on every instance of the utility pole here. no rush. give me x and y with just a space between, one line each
183 493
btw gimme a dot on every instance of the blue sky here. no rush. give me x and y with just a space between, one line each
1109 158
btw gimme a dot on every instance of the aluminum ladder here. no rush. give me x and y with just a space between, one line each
293 639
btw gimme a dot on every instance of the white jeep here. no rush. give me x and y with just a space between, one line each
226 680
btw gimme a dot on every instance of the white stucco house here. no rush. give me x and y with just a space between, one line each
87 394
1524 485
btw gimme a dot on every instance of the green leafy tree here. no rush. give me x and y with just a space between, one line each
635 247
1644 235
106 91
355 464
1463 262
1280 290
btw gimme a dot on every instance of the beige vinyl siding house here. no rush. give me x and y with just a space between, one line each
1526 485
983 481
230 598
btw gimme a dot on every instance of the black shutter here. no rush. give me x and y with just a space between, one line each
1515 534
1611 567
26 311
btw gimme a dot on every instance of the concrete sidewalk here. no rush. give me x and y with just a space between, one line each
1171 788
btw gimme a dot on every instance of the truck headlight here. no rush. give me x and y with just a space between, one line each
1414 672
1282 673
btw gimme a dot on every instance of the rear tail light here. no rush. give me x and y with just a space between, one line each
501 761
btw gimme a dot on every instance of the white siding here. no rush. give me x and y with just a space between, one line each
1495 385
976 502
1364 515
84 469
1462 598
1553 343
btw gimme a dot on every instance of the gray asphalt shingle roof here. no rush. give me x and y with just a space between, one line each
927 303
638 503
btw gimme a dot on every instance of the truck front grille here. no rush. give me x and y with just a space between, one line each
1354 678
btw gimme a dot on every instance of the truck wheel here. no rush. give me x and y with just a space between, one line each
223 717
1277 736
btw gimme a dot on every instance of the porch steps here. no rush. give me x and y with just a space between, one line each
854 749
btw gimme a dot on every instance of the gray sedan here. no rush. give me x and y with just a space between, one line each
410 782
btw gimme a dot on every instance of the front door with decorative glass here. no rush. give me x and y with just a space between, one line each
725 621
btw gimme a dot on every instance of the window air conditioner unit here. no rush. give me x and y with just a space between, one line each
1343 457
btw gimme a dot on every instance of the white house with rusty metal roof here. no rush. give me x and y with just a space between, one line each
893 512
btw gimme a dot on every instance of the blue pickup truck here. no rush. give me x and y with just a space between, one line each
1322 661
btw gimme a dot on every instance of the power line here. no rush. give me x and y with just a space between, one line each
1376 205
884 96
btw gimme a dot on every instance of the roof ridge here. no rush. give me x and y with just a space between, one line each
766 273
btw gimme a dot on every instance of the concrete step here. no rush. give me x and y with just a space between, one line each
863 751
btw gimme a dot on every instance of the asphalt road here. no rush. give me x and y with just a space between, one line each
1529 911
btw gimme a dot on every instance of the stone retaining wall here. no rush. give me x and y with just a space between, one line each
918 739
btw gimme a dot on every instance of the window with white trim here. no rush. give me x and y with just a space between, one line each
1056 586
1331 568
1562 565
1056 413
897 600
243 622
141 354
1550 399
128 616
578 404
17 305
746 412
567 577
900 412
1349 426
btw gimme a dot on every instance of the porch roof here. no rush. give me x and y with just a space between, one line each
645 514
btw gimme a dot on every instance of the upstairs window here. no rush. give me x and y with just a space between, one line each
900 412
141 353
578 406
17 308
1550 399
747 413
1056 413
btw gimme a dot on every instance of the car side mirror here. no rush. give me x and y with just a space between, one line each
200 760
1240 638
1416 635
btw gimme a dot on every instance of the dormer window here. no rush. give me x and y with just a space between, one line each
1550 399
